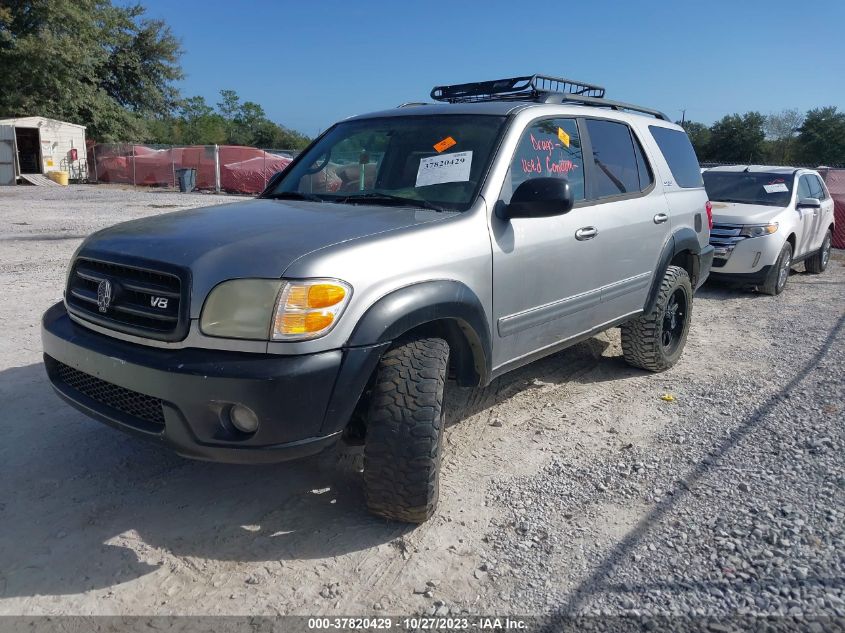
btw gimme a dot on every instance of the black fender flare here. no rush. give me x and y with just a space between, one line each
450 307
429 302
684 239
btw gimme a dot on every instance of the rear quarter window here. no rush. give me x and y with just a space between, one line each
680 156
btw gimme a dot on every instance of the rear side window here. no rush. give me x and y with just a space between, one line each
679 154
616 166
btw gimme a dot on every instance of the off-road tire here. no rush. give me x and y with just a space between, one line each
404 431
642 338
818 262
774 285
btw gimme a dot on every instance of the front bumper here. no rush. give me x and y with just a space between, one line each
746 257
303 402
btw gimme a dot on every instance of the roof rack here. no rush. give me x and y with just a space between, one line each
537 88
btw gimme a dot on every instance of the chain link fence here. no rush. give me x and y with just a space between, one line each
225 168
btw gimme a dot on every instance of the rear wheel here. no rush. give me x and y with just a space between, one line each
779 273
818 262
655 341
404 431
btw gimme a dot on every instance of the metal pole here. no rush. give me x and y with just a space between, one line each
217 168
173 164
94 156
133 165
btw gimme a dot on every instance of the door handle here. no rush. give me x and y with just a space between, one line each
586 233
660 218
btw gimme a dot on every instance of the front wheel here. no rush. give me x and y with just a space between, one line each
404 431
779 273
655 341
818 262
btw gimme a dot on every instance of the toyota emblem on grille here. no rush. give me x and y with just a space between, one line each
104 295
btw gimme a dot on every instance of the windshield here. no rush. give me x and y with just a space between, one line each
435 162
773 190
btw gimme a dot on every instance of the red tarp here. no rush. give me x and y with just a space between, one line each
242 169
835 181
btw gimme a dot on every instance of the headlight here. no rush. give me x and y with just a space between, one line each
308 309
282 310
241 308
758 230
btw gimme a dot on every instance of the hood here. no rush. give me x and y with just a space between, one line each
257 238
737 213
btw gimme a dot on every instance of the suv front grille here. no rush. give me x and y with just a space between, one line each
143 302
725 234
132 403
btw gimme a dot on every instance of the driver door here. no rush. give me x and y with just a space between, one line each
545 270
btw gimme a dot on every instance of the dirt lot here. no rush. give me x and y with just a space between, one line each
570 485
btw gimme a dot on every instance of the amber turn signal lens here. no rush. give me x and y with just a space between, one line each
325 295
309 308
303 322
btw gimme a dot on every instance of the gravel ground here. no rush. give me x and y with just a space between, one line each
576 485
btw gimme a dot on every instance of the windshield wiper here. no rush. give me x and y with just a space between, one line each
375 197
735 201
293 195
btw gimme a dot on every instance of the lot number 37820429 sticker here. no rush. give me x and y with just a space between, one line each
436 170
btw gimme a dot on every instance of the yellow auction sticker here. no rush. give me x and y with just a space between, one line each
563 136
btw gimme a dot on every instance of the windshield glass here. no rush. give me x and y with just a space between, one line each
749 187
427 161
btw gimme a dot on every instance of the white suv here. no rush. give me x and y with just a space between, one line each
766 220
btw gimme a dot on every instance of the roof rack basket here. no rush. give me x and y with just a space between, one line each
537 88
527 88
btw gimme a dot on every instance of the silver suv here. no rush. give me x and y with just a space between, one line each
461 239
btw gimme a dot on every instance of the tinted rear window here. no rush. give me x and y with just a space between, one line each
616 170
679 154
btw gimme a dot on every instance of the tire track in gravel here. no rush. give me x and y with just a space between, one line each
596 580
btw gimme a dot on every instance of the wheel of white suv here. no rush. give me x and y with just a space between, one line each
779 273
655 341
818 262
404 431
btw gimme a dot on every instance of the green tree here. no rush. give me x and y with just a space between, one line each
781 129
737 138
247 124
199 124
821 140
86 61
229 105
699 136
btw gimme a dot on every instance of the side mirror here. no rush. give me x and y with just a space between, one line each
808 203
540 198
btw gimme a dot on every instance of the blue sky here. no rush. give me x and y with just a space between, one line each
311 63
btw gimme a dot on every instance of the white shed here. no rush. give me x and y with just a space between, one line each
45 145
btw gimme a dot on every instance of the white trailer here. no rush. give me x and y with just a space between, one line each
43 145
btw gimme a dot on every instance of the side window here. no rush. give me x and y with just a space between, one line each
816 188
804 190
615 167
548 148
679 154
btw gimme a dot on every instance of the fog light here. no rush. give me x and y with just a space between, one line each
756 260
243 418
